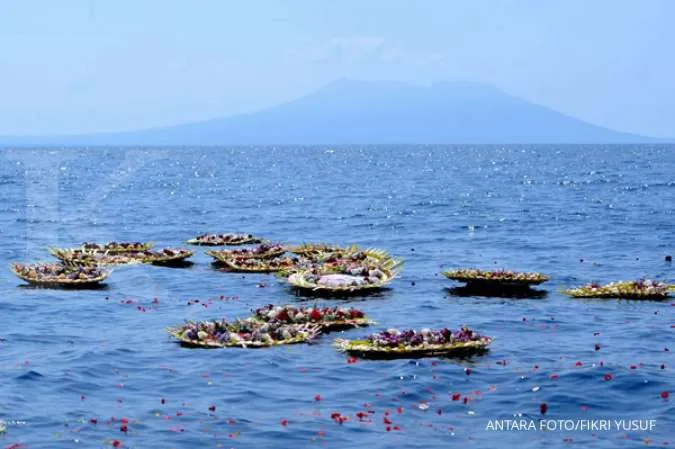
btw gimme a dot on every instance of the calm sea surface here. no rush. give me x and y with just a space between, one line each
73 364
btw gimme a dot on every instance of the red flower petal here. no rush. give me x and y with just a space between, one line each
116 443
212 408
93 421
351 360
284 422
456 397
665 394
317 397
607 377
543 408
578 364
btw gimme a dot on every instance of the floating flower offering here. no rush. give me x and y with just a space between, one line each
329 318
84 257
640 289
223 239
501 277
312 249
262 251
242 333
166 256
410 343
116 247
47 274
252 265
352 253
340 262
349 278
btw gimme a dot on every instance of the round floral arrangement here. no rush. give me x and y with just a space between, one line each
329 318
639 289
166 255
116 247
351 278
242 333
426 342
50 274
231 239
248 264
503 277
316 249
92 258
262 251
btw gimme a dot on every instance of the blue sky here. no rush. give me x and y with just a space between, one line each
77 66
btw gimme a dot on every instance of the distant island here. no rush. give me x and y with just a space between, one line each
359 112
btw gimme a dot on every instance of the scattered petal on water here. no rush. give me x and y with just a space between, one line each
284 422
543 408
607 377
664 394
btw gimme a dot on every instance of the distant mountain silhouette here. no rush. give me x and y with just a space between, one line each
355 112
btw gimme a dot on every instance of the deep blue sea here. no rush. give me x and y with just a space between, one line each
73 364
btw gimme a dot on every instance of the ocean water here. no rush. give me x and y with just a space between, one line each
73 364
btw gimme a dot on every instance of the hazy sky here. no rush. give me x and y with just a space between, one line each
74 66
